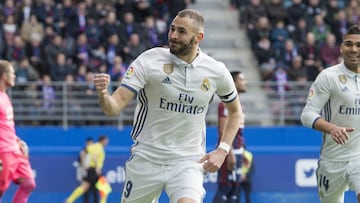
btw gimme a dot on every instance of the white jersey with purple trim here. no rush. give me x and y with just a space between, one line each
335 96
172 101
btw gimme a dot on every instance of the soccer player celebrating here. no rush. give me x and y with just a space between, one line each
174 87
333 107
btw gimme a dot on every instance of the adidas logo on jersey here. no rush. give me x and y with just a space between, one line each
166 80
345 89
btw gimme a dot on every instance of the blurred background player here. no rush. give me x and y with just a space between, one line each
81 169
229 173
247 170
13 151
94 163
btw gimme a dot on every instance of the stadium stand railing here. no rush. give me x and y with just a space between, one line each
76 105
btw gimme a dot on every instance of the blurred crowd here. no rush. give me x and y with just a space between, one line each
52 42
58 39
294 40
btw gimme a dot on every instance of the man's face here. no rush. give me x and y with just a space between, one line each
241 83
350 50
9 77
182 37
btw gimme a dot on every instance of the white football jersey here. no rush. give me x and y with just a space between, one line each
335 96
172 101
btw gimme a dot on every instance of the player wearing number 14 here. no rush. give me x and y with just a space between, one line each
174 87
333 108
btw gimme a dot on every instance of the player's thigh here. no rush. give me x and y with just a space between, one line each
24 169
186 181
354 176
332 181
143 181
8 168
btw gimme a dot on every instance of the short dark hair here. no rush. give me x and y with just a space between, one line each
353 30
234 74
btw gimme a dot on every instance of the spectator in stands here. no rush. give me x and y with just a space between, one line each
35 53
82 50
52 50
141 9
62 68
280 78
151 36
320 30
341 25
300 32
266 57
118 70
261 29
331 10
278 36
128 27
77 23
110 27
296 11
25 72
353 12
113 48
9 8
31 27
15 164
47 12
330 51
310 53
249 15
290 51
314 8
26 9
133 48
93 32
48 98
276 12
15 51
297 70
73 96
122 7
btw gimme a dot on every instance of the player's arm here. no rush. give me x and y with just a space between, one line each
231 126
319 94
213 160
115 103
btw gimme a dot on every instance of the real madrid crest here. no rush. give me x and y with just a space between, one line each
205 85
342 79
168 68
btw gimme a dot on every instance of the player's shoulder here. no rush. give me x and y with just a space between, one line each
205 58
157 51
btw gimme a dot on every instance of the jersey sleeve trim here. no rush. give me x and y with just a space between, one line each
130 88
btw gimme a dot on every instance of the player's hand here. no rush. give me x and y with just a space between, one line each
230 160
213 160
24 147
341 134
102 81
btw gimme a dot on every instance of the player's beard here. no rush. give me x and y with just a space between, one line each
184 49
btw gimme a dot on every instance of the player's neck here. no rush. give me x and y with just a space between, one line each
190 57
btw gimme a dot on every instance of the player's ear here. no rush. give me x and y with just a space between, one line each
200 36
